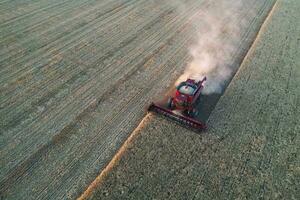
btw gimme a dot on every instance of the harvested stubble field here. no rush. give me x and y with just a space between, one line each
75 79
251 150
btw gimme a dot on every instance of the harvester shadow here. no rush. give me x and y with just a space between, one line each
205 105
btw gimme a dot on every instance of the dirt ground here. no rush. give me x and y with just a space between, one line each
76 77
251 150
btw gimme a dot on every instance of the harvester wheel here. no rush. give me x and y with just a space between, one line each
192 113
171 105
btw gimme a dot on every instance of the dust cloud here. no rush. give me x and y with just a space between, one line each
218 34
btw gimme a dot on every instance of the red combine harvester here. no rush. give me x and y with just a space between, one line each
184 100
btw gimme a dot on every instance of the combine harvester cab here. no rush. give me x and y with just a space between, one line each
184 100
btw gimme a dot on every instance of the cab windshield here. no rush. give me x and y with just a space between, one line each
187 90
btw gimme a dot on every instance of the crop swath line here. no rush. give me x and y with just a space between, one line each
48 47
33 35
63 9
60 3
